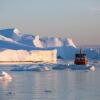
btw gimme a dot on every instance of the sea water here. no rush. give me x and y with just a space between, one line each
51 85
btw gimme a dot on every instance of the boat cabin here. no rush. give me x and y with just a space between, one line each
81 58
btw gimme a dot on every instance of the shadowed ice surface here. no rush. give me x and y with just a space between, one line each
51 85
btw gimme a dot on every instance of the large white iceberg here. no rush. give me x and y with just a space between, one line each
25 43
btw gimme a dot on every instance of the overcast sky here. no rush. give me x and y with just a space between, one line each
77 19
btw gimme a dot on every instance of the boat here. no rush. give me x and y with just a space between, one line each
81 58
81 62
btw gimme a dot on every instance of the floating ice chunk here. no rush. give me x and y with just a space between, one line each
31 68
92 68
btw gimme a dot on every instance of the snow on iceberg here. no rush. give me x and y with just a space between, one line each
16 31
53 42
37 42
69 42
3 38
58 42
11 33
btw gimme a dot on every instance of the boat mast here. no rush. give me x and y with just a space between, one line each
80 50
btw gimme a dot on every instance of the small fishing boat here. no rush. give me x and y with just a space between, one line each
81 58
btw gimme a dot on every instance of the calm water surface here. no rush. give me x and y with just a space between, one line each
51 85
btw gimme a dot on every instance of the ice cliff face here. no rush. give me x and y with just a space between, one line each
28 56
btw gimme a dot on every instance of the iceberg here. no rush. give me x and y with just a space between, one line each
13 42
66 48
66 52
91 53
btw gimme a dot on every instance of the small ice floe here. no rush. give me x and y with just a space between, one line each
92 68
5 76
46 69
59 67
31 68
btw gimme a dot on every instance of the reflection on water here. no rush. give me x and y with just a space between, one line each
52 85
5 83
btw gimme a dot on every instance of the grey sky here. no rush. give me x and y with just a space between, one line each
78 19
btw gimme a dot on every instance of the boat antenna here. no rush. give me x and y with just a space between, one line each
80 50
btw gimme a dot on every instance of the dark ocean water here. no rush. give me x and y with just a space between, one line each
51 85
